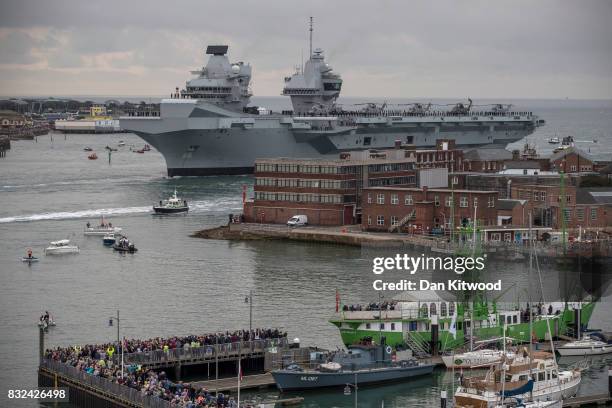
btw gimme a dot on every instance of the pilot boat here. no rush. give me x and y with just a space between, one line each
61 247
361 364
172 205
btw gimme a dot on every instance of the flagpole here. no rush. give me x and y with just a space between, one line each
122 347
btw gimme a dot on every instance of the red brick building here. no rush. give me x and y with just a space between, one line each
328 192
423 210
582 207
575 160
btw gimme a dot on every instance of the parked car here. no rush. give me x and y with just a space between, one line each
298 221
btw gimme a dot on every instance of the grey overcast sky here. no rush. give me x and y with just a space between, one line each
431 48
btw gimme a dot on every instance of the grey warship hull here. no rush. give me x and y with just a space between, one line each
287 380
198 138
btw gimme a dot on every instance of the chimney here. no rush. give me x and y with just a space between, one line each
398 144
516 155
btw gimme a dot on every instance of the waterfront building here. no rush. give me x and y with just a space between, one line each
424 210
575 160
584 208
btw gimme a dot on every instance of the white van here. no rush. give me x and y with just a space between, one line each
297 221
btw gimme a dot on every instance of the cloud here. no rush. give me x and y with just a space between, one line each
382 49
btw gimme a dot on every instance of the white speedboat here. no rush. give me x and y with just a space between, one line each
61 247
473 359
585 347
554 140
105 228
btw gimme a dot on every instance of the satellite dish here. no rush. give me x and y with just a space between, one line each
235 69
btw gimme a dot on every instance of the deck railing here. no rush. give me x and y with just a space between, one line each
203 352
104 385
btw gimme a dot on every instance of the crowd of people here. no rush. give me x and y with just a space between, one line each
102 360
386 305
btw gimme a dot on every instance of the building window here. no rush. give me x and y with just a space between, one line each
573 167
408 199
380 198
451 308
443 309
432 309
392 326
455 180
367 141
568 198
394 199
368 325
369 220
382 326
394 220
496 236
567 214
536 195
491 202
449 201
580 214
369 198
543 195
380 220
437 200
475 200
463 201
593 214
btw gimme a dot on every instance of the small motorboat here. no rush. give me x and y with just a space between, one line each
172 205
146 148
554 140
124 245
109 239
105 228
585 347
121 143
139 151
88 149
61 247
93 156
560 149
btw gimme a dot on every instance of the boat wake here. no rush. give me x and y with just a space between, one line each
195 206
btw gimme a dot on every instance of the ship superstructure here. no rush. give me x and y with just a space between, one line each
208 128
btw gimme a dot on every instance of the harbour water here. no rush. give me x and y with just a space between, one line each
176 284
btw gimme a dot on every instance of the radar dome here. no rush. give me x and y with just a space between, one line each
235 69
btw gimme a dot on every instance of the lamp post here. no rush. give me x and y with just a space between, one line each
110 324
249 299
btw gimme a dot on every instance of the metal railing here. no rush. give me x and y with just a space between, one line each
104 385
205 352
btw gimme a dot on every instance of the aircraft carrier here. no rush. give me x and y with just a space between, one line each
207 128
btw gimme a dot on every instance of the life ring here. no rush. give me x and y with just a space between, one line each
388 349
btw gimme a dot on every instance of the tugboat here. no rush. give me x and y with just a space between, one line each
172 205
124 245
365 363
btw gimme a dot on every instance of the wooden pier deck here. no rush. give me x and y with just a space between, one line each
231 384
600 399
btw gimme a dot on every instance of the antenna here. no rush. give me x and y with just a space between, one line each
310 56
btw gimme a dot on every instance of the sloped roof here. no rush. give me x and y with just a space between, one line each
508 204
602 195
487 154
594 157
522 164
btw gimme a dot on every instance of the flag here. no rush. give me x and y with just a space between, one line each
453 327
337 301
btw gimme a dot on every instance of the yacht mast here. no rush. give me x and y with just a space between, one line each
310 55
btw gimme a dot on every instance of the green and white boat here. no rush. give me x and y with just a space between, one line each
412 319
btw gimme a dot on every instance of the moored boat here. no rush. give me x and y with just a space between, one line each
473 359
61 247
362 364
172 205
553 140
584 347
109 239
93 156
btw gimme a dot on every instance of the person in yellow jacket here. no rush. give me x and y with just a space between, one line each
110 350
